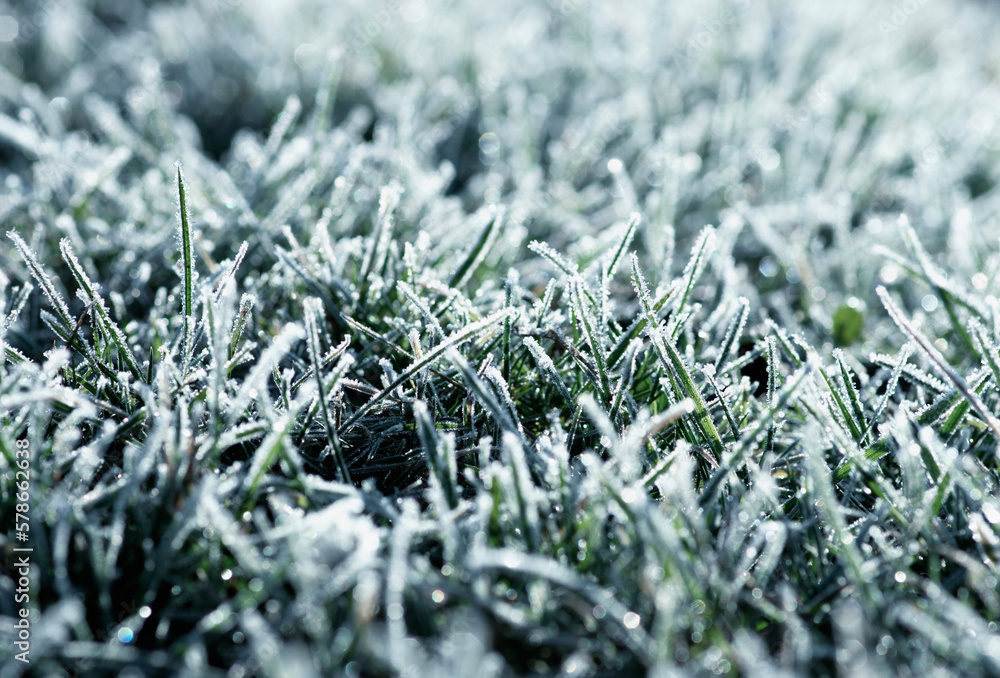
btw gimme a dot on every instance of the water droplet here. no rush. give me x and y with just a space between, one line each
691 162
768 267
489 148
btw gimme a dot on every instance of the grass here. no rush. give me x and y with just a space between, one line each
443 373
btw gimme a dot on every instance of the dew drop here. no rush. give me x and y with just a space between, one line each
768 267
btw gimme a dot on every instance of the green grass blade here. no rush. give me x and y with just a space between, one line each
314 308
478 252
733 332
187 263
585 319
925 345
673 362
468 332
852 393
108 327
633 221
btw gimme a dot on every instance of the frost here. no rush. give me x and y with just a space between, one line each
370 389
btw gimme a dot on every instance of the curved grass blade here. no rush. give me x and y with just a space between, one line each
633 222
462 335
107 326
478 252
43 280
935 356
733 332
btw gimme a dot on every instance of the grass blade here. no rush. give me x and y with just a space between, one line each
187 256
925 345
478 252
314 308
673 362
468 332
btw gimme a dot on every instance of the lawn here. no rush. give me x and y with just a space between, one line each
446 338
